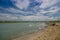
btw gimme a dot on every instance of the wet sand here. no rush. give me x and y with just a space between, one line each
29 36
50 33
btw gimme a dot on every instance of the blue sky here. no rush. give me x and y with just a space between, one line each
29 10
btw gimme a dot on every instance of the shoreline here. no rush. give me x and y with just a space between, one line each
52 30
29 35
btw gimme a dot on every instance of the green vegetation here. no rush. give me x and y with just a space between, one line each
21 21
26 21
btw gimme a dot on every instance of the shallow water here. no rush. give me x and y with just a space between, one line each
10 30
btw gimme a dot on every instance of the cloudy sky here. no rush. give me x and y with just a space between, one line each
29 10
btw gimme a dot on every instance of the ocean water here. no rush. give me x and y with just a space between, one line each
11 30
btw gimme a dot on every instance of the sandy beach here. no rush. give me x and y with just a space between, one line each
52 32
29 36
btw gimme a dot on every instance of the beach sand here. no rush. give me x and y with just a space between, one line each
29 36
52 32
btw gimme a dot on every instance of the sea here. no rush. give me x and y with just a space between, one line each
11 30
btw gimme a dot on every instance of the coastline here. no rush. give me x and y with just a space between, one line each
30 36
43 34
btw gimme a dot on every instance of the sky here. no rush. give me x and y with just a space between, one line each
29 10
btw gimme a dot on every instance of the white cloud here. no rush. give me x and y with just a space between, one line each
52 10
19 11
48 3
10 17
24 4
21 4
7 17
33 18
16 11
38 16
